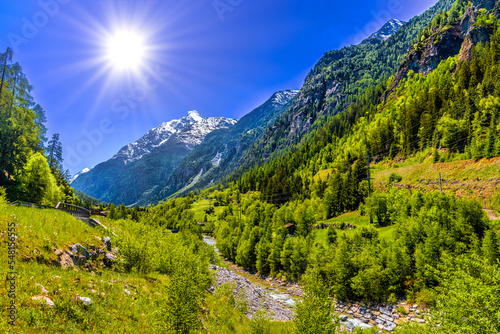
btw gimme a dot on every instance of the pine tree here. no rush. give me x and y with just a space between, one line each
5 58
490 249
40 119
54 154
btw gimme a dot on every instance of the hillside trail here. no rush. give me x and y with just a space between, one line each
492 215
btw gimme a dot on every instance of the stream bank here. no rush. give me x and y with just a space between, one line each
280 299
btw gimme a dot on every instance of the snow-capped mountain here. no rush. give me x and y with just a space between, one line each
282 98
83 171
143 165
190 130
387 30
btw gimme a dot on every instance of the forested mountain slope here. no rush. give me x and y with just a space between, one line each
453 107
337 80
140 167
221 151
413 242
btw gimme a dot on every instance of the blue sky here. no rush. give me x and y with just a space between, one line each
222 58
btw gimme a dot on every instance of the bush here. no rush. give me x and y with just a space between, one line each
394 178
3 196
315 313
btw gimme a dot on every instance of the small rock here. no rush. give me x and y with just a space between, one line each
44 291
108 259
84 300
59 252
79 249
107 243
47 300
127 291
66 261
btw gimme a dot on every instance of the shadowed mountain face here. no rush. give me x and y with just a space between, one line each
143 165
339 78
192 151
221 152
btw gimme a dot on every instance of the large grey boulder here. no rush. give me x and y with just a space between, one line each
107 243
79 249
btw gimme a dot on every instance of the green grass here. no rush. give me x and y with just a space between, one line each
354 218
201 206
465 178
41 231
113 310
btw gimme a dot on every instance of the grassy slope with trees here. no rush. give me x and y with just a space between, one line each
455 107
443 252
30 165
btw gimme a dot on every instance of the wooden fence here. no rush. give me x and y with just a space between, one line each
75 211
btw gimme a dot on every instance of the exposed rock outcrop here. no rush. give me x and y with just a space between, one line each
459 39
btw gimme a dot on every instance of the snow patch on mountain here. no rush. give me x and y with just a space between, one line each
190 130
284 97
216 160
83 171
387 30
195 115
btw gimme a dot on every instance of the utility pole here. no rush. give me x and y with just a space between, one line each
369 181
369 174
239 195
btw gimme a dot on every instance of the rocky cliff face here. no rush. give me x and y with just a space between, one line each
439 46
444 43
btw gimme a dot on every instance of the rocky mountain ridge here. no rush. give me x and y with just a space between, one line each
387 30
222 150
190 129
179 153
459 38
140 167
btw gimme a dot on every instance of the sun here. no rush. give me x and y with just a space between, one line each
125 50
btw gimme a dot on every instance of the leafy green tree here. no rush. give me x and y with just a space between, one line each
468 299
39 185
112 212
316 312
183 299
490 248
377 207
331 236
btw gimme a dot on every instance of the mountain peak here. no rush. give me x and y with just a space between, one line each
195 115
387 30
83 171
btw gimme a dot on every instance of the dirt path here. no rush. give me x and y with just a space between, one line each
492 215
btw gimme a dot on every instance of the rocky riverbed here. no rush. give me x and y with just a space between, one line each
279 307
280 298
